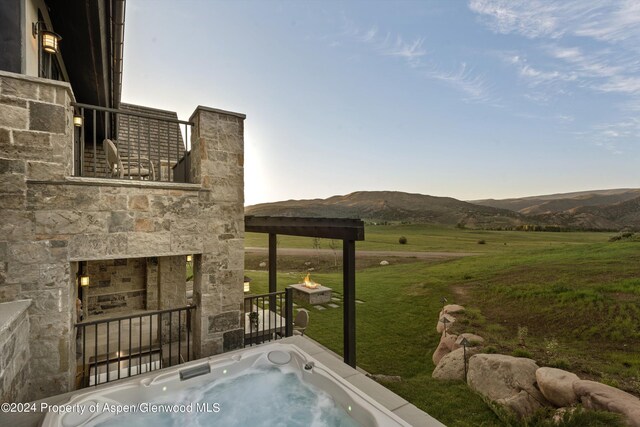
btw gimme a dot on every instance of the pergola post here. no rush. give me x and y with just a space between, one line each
273 269
348 230
349 301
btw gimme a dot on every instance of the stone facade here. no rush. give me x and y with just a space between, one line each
117 285
50 220
217 162
14 350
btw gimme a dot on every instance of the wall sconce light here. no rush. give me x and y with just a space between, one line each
78 121
84 280
247 284
189 258
50 40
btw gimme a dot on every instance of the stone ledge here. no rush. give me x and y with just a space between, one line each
10 311
106 182
217 110
40 81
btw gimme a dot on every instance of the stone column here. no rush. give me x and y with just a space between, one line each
172 272
217 161
151 279
36 144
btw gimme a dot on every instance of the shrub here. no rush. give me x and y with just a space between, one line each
402 240
546 417
560 364
491 350
482 242
523 331
518 352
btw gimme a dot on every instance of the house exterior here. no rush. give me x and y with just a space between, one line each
64 214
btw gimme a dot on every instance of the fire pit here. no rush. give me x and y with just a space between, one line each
311 292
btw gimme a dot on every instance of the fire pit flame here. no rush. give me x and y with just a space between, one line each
308 283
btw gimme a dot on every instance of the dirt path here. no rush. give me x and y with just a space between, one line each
363 254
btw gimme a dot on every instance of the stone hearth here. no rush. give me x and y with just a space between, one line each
319 295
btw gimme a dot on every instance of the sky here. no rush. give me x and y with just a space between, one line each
468 99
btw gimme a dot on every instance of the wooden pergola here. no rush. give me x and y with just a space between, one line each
347 230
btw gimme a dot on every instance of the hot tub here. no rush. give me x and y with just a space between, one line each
274 384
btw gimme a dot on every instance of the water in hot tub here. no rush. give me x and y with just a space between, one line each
274 397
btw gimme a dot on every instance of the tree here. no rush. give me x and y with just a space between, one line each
316 245
334 247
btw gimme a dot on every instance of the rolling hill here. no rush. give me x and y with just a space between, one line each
590 210
378 206
554 203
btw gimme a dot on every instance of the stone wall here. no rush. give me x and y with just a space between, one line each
217 162
50 220
116 286
14 350
36 143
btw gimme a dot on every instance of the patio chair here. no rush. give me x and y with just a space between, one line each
300 322
121 166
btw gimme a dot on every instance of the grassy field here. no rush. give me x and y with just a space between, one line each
437 238
565 299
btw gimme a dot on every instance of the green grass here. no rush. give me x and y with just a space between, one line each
577 295
438 238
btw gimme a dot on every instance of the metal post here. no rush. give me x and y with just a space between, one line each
349 293
95 154
82 143
273 268
288 301
464 356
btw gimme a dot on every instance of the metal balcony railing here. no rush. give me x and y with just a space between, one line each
129 144
120 347
268 317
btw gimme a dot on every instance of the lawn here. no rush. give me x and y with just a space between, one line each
438 238
571 298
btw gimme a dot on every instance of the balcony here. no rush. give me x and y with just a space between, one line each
132 142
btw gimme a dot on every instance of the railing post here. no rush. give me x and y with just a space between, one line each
288 300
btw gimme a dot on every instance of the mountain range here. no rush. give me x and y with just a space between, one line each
616 209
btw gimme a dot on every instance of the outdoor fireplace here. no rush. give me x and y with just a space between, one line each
311 292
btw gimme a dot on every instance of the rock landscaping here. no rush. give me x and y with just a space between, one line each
518 384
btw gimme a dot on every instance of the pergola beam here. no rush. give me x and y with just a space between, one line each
347 230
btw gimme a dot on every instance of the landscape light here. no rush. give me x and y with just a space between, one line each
445 321
464 343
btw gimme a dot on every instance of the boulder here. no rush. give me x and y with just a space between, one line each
384 262
451 366
474 340
598 396
440 325
262 264
449 341
444 348
506 380
453 309
556 386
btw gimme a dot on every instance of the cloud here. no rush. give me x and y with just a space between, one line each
607 64
612 21
464 79
415 55
389 44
